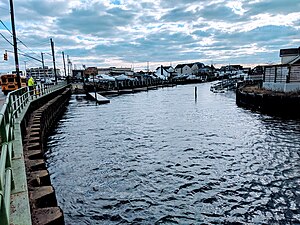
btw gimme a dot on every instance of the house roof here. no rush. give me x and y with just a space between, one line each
295 60
179 66
164 67
289 52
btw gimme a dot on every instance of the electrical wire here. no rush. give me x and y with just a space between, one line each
26 55
6 39
17 38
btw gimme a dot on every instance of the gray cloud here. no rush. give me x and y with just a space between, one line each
93 21
179 14
219 12
272 7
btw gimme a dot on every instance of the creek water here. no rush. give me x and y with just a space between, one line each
164 157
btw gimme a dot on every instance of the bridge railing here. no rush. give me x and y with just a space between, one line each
14 105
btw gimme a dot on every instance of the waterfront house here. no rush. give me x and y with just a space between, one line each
207 72
290 56
183 69
255 74
165 72
195 67
286 76
189 69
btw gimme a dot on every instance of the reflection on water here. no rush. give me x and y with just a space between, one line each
160 157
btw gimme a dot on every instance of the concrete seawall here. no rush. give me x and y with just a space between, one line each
39 120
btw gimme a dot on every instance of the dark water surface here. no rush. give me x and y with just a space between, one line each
160 157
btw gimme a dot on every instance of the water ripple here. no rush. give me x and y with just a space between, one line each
158 157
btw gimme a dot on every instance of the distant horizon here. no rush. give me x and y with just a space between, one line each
218 66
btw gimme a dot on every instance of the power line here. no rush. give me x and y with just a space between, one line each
6 39
17 38
28 56
24 53
6 27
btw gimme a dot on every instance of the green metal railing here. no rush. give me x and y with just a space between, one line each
15 104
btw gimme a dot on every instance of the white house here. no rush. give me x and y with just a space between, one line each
183 69
188 69
164 72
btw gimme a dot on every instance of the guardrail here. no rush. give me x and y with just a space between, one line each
14 105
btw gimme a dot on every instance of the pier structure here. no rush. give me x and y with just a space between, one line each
277 94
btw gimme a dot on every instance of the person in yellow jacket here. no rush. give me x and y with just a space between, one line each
31 81
31 84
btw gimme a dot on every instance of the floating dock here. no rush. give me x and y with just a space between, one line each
98 98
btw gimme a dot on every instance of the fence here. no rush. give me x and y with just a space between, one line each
282 73
15 104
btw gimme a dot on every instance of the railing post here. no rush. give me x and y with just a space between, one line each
288 77
3 212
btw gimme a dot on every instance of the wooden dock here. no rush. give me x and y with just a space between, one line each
125 91
98 98
140 89
152 87
109 92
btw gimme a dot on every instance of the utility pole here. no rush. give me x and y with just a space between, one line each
63 55
68 65
53 56
15 42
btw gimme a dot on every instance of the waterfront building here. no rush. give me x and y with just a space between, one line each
207 72
103 70
116 71
165 72
38 73
285 76
189 69
113 71
290 56
183 69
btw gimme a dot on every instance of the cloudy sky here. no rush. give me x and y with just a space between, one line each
130 33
